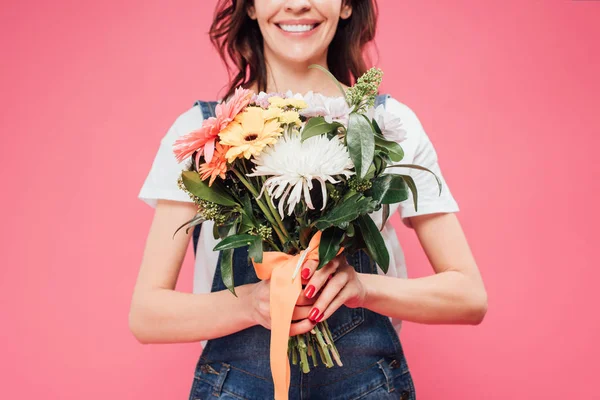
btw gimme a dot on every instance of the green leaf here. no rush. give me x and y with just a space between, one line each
329 245
361 143
227 264
235 241
385 214
247 209
197 220
215 193
227 270
318 126
393 149
337 83
216 234
346 211
389 189
413 187
255 251
421 168
374 242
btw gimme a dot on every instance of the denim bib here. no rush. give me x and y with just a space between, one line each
237 366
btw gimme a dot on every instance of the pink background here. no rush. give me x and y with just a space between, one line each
507 90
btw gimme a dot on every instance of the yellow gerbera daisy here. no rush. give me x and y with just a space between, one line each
290 117
290 102
249 133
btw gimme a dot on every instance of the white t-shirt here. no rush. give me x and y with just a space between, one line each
161 183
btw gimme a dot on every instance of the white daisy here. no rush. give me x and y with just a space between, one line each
292 165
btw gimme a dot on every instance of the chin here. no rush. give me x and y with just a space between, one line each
299 56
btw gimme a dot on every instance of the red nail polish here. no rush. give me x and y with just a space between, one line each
313 314
309 291
320 317
305 273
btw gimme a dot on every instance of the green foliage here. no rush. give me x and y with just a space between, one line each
389 189
318 126
362 95
329 245
199 188
374 242
347 210
361 143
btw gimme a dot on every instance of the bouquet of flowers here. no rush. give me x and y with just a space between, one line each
295 177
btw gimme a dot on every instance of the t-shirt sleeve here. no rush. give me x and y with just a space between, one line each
420 150
161 181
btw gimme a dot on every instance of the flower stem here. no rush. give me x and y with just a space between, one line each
275 213
264 208
330 344
323 348
303 354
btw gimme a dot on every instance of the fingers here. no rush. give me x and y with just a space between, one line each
308 268
332 296
304 301
303 326
301 312
319 278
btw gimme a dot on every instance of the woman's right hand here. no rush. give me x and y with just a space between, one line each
261 309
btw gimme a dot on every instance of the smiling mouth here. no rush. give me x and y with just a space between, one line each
297 28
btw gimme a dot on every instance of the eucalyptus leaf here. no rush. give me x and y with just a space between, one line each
361 143
389 189
235 241
318 126
375 245
329 245
215 193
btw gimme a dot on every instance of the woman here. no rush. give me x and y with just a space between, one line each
269 44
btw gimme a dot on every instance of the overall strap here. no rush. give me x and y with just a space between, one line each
381 99
208 110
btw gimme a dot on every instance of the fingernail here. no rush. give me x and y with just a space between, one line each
320 317
313 314
309 291
305 273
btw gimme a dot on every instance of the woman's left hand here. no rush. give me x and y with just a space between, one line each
339 284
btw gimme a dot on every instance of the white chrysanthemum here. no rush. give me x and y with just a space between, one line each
292 165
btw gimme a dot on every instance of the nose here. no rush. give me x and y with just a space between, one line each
297 6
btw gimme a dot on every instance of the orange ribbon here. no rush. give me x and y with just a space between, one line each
279 267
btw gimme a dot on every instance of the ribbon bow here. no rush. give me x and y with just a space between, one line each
280 267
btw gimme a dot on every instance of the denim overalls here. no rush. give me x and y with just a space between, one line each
237 366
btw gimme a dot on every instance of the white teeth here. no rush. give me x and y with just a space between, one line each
296 28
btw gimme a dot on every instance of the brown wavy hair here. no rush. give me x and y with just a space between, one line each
239 42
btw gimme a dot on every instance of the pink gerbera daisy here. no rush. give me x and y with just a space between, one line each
203 139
